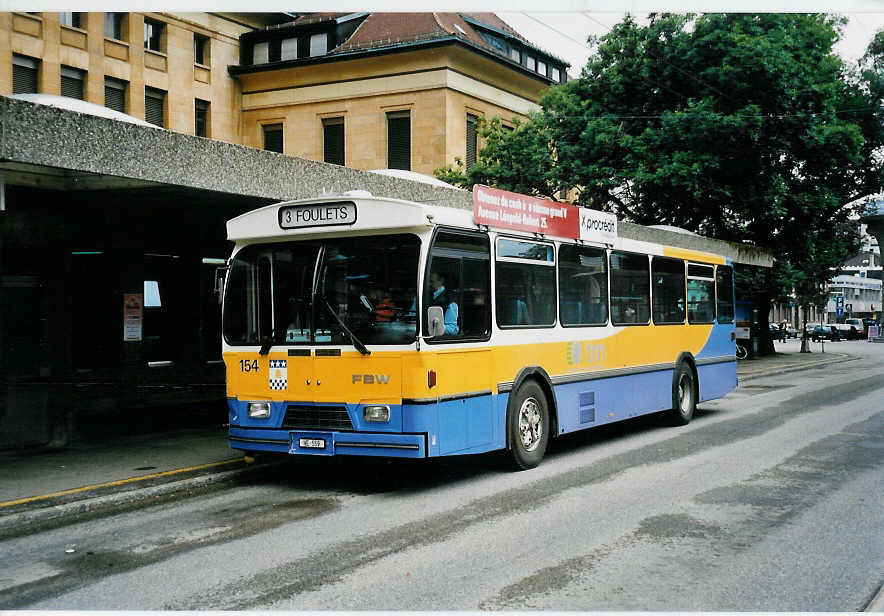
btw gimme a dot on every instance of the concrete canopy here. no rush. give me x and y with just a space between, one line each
48 147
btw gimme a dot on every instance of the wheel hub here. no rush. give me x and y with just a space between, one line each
530 424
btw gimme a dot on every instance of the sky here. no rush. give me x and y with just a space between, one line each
563 33
557 26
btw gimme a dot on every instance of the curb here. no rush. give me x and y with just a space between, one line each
877 603
795 367
55 515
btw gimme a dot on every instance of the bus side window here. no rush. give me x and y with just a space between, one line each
724 285
459 281
630 289
669 291
701 293
525 283
583 285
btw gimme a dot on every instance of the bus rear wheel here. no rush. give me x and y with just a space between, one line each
684 395
528 421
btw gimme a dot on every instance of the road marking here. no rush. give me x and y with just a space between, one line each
120 482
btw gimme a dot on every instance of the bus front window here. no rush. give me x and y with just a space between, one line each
369 282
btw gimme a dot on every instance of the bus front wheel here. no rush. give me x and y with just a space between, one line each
528 426
684 395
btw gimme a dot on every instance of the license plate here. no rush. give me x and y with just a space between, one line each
311 443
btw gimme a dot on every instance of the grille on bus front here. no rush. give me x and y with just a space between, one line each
317 418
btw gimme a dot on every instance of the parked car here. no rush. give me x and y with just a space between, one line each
858 327
791 332
825 332
810 327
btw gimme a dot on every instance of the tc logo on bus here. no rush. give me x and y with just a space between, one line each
585 353
371 379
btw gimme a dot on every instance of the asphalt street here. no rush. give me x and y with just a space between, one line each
771 499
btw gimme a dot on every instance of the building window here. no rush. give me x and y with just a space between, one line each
115 94
74 20
472 140
273 137
541 67
72 80
113 25
154 106
289 49
153 34
516 54
318 44
556 75
201 49
261 53
531 63
399 140
333 140
201 118
24 74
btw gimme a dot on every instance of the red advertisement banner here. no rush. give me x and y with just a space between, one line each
509 210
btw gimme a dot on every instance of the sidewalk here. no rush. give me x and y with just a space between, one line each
42 487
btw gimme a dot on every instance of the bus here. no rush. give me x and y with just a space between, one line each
369 326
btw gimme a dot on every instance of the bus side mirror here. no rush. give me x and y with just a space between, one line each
435 321
220 277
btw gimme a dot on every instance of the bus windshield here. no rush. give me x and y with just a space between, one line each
286 292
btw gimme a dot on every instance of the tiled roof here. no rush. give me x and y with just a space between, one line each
385 29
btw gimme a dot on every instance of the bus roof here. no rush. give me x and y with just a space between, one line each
358 212
366 214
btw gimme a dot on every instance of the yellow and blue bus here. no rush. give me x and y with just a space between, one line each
359 325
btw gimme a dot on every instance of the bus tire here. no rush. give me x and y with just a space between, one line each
529 426
684 395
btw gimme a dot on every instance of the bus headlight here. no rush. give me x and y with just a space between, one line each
259 410
376 413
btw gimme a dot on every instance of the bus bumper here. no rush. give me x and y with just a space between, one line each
329 443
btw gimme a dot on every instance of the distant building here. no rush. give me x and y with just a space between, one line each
365 90
167 68
861 298
387 90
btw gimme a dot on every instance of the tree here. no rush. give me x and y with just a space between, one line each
743 127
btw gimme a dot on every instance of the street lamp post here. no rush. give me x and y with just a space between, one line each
874 218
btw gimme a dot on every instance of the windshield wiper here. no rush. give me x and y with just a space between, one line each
356 341
269 341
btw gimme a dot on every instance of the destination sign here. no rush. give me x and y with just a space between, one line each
317 215
509 210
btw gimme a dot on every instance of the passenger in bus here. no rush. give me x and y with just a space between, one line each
384 310
441 298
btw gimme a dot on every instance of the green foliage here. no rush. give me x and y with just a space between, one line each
743 127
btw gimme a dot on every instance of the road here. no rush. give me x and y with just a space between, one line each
771 499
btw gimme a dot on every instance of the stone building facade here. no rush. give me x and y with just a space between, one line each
365 90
